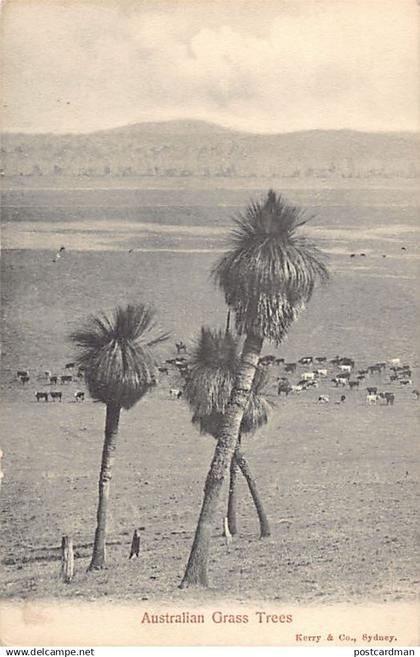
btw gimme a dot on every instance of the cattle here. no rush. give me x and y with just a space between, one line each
21 373
393 377
416 393
341 400
79 396
321 359
279 361
340 381
267 360
53 379
297 388
323 399
363 255
335 360
388 397
405 382
175 392
311 384
345 368
69 366
56 395
346 361
306 360
41 395
362 372
382 365
24 379
374 368
308 376
66 378
354 384
80 371
372 390
322 372
47 374
284 388
395 361
163 370
360 377
181 347
290 367
371 399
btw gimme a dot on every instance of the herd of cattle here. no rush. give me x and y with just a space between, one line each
378 381
48 378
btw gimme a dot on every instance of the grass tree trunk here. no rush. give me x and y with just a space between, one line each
233 497
244 467
196 572
108 455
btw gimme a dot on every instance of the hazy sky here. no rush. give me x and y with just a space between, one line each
82 65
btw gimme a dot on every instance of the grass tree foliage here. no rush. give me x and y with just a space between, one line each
117 354
212 373
267 276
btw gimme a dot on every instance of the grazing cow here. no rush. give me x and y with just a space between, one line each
69 366
372 390
416 393
381 365
175 392
21 373
362 372
79 396
335 360
371 399
395 362
56 395
311 384
354 384
352 255
346 361
181 347
24 379
341 381
345 368
361 377
279 361
321 359
53 379
267 360
308 376
41 395
297 388
322 372
66 378
284 387
363 255
163 370
405 382
290 367
323 399
388 397
306 360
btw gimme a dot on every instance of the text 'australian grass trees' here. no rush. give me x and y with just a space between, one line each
267 276
120 368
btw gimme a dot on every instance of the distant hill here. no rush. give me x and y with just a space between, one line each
196 148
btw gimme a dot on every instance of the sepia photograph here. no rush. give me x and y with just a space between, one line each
210 371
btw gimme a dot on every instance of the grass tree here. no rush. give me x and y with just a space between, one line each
208 389
267 276
117 354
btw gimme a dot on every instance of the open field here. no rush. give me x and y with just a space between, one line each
343 476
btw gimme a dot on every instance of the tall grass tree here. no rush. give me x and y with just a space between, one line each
117 354
267 277
212 372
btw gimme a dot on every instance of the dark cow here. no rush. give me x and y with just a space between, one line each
163 370
41 395
405 382
21 373
80 372
66 378
388 397
53 379
352 255
24 379
374 368
69 366
279 361
79 396
56 395
372 390
181 347
354 384
321 359
267 360
284 388
290 367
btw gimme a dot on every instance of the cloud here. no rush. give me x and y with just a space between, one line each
287 66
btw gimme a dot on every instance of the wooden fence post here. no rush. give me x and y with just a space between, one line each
67 559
